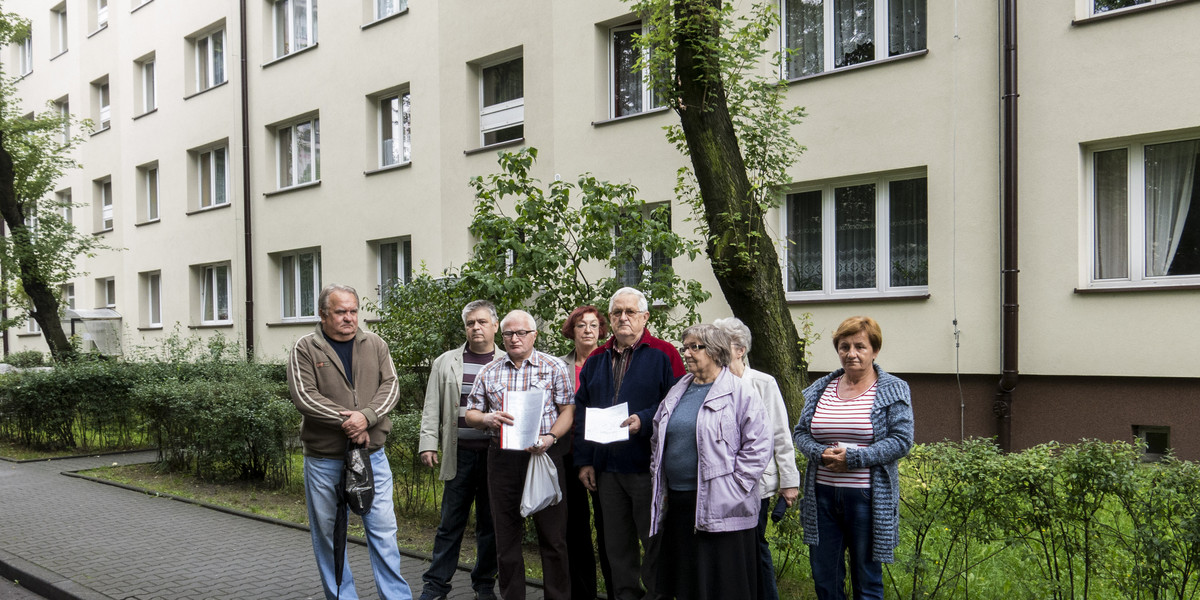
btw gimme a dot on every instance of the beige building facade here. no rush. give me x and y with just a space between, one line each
257 149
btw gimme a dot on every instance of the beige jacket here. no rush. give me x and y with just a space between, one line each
781 469
319 388
439 418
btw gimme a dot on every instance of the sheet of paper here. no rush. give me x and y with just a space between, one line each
526 410
603 425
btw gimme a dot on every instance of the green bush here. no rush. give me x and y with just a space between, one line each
84 405
25 359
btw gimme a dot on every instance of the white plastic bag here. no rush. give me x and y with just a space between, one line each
541 485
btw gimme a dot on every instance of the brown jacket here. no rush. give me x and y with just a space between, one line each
319 388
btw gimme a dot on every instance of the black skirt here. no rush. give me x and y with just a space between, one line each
700 565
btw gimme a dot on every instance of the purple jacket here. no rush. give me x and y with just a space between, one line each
734 447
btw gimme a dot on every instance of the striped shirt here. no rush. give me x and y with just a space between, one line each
844 421
469 437
540 370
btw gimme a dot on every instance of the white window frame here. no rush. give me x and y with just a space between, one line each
1091 7
210 304
210 63
105 203
149 85
31 325
880 37
150 188
286 9
104 102
154 299
501 115
64 112
64 201
59 16
291 285
381 7
647 257
648 99
289 171
67 290
403 264
109 287
212 176
25 54
101 13
389 153
1136 218
883 286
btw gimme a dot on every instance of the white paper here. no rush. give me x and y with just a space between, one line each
603 425
526 410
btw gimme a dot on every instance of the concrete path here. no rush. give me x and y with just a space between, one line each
73 539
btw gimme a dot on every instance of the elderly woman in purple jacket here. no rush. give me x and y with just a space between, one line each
709 447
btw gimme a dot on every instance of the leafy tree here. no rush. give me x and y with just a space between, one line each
542 257
40 252
707 62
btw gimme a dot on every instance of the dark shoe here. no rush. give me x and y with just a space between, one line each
429 597
485 595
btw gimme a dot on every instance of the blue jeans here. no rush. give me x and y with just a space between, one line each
767 589
468 486
844 524
321 477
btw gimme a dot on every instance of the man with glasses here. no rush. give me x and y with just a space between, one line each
463 456
637 368
523 369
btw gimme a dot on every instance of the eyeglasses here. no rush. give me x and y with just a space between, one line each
623 312
582 325
508 335
692 347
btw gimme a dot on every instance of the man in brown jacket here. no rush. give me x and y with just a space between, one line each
344 384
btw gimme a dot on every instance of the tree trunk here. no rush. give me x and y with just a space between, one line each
740 249
45 299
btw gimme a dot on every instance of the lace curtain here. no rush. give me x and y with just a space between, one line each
1170 178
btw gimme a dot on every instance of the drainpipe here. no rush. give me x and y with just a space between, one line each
247 214
1002 406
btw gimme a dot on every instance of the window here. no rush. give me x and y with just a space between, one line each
502 94
64 112
299 152
99 14
148 192
152 293
212 177
300 283
631 93
209 62
1145 210
58 28
104 204
103 109
63 202
106 292
649 263
395 125
1155 439
384 8
146 85
31 325
25 54
823 35
395 266
215 285
68 295
1104 6
295 25
31 220
862 238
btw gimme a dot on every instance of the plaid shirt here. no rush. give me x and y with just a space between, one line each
540 370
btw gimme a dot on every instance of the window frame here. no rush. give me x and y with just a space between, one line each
208 277
153 298
108 287
289 133
882 238
880 38
67 292
401 6
101 14
103 104
63 105
499 117
648 95
214 179
1135 227
404 128
1092 12
287 46
648 257
104 205
205 62
25 54
148 192
290 264
59 29
149 85
403 262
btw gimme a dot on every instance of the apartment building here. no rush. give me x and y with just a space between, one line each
248 151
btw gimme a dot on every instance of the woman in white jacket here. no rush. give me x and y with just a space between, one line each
781 477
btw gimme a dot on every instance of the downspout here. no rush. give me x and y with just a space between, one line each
1002 406
247 213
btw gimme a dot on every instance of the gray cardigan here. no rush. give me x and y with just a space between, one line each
892 420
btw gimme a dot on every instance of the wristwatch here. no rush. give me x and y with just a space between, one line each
555 437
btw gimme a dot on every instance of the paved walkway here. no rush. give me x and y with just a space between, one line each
73 539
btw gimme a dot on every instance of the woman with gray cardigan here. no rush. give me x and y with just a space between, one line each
856 425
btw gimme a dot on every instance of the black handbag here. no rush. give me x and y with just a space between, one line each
358 480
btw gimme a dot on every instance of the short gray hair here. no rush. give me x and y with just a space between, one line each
519 314
642 305
739 334
477 305
323 299
714 339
